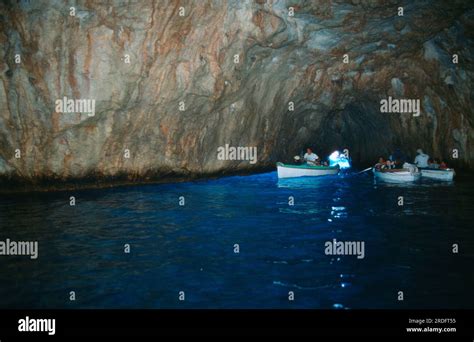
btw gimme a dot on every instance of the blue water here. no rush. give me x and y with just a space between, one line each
190 248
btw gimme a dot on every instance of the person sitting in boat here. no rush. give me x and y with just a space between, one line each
311 158
433 164
443 165
421 160
389 164
397 156
398 164
380 164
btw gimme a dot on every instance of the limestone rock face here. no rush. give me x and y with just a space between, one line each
175 80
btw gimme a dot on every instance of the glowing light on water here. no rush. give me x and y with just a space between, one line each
338 212
337 158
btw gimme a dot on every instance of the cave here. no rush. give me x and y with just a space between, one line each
304 155
275 75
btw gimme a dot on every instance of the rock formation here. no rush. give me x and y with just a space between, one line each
174 80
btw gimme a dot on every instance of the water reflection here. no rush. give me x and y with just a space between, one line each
338 212
191 247
306 182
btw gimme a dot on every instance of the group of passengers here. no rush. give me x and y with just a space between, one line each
398 161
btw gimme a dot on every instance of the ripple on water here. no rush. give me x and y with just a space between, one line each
281 246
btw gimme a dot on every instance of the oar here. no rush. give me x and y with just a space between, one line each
367 169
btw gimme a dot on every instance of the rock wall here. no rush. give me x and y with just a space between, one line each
234 67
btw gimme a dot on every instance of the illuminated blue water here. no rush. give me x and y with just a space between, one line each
190 248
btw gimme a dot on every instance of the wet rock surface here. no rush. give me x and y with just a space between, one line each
202 74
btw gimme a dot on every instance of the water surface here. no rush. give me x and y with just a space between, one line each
190 248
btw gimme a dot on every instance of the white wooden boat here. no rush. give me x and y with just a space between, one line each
438 174
289 171
397 175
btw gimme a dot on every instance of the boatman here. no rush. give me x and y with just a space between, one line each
398 158
310 157
421 160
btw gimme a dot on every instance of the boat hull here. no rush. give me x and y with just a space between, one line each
438 174
292 171
397 176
